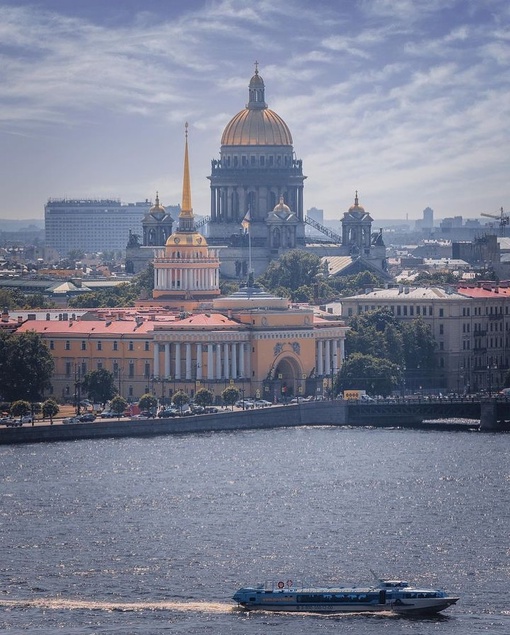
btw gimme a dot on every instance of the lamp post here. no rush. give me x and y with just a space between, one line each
490 368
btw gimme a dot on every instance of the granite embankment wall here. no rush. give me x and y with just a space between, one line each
318 413
311 414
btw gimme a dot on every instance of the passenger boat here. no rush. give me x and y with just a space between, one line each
386 595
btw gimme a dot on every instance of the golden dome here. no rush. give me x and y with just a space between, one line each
256 125
185 239
356 207
157 210
256 128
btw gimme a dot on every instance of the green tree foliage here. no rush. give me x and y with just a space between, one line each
99 385
230 395
20 408
12 299
410 345
26 366
118 405
365 372
144 281
180 399
121 296
292 270
204 397
50 409
147 402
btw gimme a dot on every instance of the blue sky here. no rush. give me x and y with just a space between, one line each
407 101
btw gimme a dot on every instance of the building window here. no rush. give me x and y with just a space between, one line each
68 369
441 329
115 345
147 346
68 345
441 312
131 346
147 369
99 365
100 346
130 391
131 369
52 345
83 345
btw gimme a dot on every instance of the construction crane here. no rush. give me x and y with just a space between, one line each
502 217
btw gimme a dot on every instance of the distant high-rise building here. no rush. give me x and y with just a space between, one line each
316 214
428 218
91 225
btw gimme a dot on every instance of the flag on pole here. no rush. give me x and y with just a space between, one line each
245 223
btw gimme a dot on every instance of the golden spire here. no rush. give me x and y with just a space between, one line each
186 209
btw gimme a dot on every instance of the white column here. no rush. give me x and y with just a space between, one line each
342 350
226 369
218 361
328 357
320 364
242 363
188 361
210 363
167 360
234 360
335 356
156 360
199 361
177 373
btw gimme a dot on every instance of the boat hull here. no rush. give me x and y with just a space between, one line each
396 597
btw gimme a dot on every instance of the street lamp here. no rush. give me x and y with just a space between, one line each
490 368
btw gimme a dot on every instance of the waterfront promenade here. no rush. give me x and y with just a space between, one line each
411 415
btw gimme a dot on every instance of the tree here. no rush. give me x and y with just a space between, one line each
180 399
50 409
204 397
99 385
26 366
118 405
147 402
295 268
230 395
20 408
364 372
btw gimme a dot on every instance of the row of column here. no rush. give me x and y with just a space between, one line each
329 356
203 279
222 361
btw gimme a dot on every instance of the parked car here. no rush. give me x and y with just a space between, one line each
107 414
245 404
70 420
87 418
167 413
211 409
262 403
27 419
197 410
297 400
10 422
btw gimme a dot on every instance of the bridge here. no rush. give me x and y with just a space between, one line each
491 413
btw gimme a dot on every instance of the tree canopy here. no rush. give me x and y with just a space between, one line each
100 385
26 366
293 269
409 345
365 372
230 395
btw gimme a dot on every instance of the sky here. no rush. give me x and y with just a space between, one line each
405 101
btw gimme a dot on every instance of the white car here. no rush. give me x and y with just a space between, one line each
262 403
71 420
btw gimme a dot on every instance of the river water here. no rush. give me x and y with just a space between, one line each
153 536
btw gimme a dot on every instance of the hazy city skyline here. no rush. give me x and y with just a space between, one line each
406 101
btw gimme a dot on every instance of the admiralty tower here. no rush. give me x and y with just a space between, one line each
257 175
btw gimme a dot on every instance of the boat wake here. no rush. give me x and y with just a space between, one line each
58 604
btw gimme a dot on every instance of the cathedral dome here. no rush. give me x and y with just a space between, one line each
256 125
157 210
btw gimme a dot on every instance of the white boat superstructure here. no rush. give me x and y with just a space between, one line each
387 595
